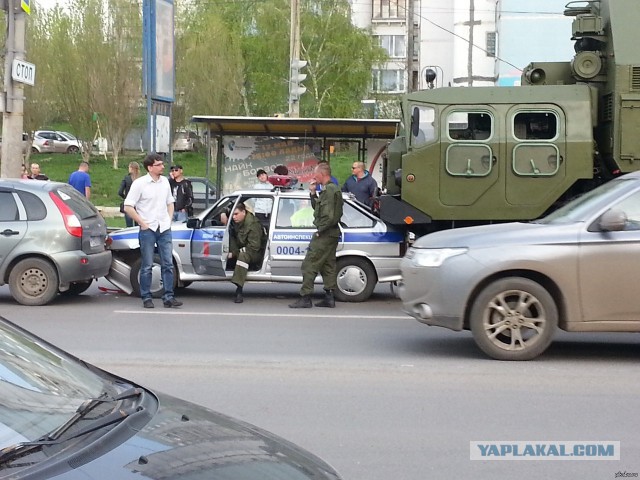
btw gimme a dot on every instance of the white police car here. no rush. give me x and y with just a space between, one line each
369 251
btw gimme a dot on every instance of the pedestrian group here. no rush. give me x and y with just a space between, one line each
153 201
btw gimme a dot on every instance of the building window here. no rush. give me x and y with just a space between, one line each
384 9
389 81
394 45
491 44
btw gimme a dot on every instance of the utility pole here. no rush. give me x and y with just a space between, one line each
12 96
295 64
410 45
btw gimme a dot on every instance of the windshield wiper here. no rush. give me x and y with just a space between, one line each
84 409
23 449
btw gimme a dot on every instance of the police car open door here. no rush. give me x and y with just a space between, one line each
210 240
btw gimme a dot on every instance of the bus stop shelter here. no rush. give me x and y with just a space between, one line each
283 137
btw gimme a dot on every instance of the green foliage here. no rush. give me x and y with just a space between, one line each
340 58
208 78
88 61
105 179
232 58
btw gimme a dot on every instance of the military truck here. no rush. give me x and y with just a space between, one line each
467 156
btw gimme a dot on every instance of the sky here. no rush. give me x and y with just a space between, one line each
533 31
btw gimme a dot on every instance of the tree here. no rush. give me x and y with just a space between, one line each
115 97
208 77
89 60
340 60
340 56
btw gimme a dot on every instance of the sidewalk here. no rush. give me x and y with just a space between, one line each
110 212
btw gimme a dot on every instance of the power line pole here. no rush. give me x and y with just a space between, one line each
295 64
13 95
410 45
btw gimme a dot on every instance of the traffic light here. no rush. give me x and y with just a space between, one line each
295 86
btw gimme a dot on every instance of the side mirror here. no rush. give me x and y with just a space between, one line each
193 223
613 221
415 121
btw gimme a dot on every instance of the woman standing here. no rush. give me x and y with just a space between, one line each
125 185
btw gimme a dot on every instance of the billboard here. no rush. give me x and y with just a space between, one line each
162 50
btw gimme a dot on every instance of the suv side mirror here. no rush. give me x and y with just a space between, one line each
613 221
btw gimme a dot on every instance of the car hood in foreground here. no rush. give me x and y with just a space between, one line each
514 233
188 442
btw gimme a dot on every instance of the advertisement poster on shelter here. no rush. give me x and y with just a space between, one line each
244 156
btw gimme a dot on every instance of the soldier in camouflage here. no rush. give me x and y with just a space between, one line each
321 255
247 245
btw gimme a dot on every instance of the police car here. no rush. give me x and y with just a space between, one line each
369 251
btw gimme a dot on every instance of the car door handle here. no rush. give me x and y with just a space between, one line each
8 233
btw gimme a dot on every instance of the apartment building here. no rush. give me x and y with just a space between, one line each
461 41
456 40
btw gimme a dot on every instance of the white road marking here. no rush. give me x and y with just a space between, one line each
257 314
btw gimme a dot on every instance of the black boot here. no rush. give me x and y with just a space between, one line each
302 302
239 298
327 301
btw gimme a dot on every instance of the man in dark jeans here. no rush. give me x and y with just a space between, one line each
150 204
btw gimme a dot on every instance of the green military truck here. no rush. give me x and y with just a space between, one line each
468 156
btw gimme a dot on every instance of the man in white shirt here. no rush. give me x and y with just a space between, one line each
150 204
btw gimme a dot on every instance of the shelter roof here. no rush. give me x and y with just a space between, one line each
299 127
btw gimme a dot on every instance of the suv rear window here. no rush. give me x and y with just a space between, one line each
76 201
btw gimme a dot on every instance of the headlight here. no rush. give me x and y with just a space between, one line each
432 257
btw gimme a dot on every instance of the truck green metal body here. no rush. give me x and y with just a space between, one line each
487 154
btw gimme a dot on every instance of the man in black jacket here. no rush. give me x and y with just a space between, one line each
183 193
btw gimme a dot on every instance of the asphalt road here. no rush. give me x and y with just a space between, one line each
371 391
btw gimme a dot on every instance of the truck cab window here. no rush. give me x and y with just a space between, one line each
422 128
535 126
467 126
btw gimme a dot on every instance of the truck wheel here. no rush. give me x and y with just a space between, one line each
77 288
356 279
513 319
33 281
157 289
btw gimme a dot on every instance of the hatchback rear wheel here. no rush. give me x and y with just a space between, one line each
33 281
513 319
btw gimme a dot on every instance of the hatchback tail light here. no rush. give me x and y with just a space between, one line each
71 221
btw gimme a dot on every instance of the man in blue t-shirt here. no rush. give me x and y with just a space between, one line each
80 179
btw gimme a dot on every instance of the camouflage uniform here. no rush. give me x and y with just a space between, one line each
247 245
321 255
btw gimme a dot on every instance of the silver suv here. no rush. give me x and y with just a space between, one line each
52 240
